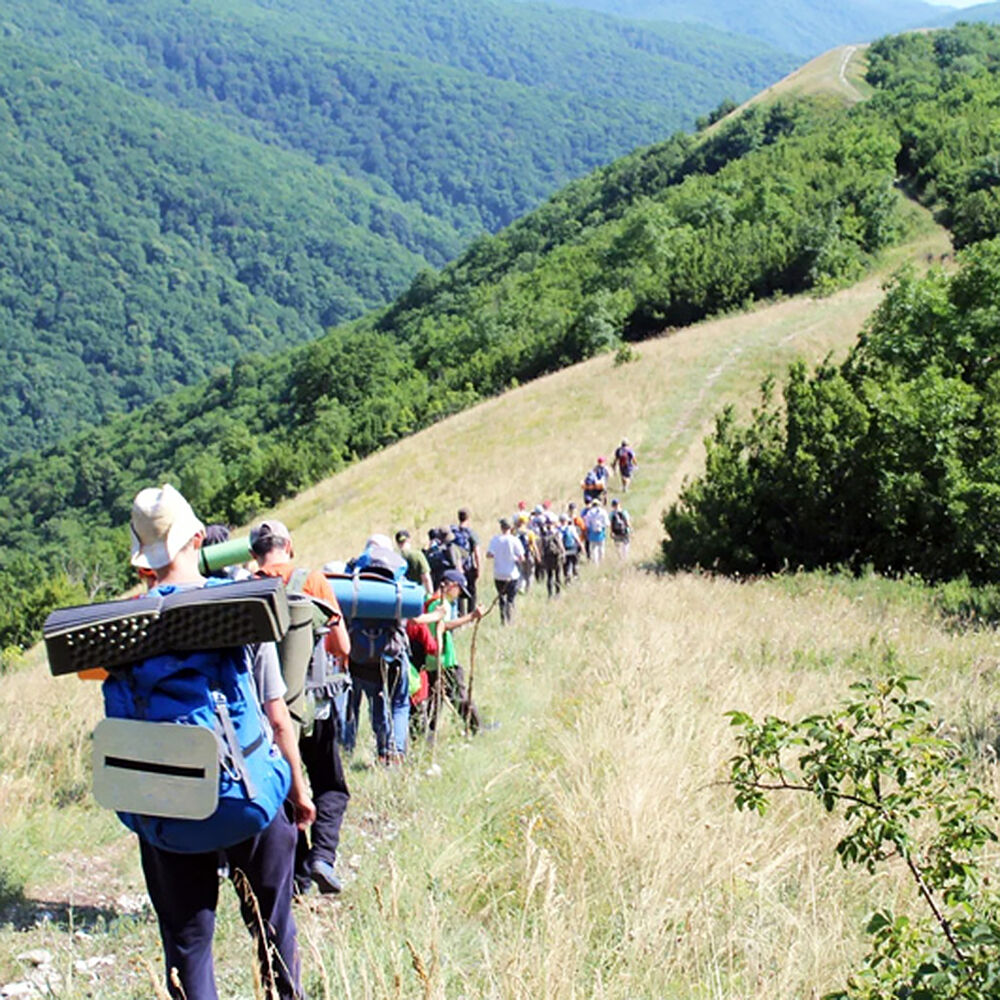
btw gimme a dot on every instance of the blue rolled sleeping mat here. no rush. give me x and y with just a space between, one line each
364 594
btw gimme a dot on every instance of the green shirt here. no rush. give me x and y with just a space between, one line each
417 566
447 644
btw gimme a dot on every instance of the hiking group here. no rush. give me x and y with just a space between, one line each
279 740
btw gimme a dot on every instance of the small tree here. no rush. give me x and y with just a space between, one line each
907 795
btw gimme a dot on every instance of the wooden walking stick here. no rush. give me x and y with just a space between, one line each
472 660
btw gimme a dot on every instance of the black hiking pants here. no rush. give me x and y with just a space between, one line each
184 891
553 567
507 591
321 759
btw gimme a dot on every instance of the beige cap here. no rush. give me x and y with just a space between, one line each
272 528
162 524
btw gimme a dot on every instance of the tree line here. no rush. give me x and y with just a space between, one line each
779 200
891 459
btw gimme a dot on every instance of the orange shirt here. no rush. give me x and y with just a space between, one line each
316 585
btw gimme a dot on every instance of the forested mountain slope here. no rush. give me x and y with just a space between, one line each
778 200
805 27
141 249
187 182
890 460
989 12
473 110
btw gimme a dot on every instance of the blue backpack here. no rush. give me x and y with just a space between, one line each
463 539
214 690
569 540
382 639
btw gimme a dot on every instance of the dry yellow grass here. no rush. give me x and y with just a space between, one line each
837 75
586 848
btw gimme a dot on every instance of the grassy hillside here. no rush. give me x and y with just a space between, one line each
585 847
836 75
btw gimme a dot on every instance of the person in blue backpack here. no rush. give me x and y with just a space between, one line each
379 663
468 558
184 887
571 546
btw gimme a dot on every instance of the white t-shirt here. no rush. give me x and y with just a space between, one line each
507 552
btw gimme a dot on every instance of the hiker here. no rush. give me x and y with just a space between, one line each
595 482
536 523
597 530
439 556
467 557
576 519
445 676
571 546
625 461
621 528
271 545
184 887
532 556
553 554
380 663
508 555
422 645
417 568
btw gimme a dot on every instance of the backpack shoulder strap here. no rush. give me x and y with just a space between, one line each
297 580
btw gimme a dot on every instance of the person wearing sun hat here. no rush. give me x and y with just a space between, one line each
183 888
162 524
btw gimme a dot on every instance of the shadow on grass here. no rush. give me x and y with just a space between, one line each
23 914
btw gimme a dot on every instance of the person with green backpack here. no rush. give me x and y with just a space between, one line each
445 676
271 544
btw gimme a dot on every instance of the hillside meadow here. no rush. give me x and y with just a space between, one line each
588 847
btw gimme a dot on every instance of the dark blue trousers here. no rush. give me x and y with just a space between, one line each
184 890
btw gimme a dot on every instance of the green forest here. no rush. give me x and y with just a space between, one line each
417 98
187 183
889 460
781 199
140 251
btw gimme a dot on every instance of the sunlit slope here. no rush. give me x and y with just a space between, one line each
565 845
537 441
837 75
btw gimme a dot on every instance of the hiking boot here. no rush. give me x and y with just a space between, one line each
324 877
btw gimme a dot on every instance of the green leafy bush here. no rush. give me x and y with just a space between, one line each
890 460
908 797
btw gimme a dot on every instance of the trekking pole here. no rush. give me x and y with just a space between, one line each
472 660
432 722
